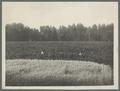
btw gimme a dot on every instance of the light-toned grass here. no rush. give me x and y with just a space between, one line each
56 72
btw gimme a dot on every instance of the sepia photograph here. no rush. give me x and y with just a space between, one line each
60 45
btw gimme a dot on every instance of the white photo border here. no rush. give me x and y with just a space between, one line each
115 67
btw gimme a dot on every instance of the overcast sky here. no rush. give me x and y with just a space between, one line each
35 14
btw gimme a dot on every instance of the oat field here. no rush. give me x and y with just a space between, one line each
22 72
59 63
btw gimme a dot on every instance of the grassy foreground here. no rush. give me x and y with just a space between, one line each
35 72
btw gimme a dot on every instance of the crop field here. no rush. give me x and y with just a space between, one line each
100 52
24 72
59 63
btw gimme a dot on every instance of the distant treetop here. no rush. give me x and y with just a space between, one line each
75 32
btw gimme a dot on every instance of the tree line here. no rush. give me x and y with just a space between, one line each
74 32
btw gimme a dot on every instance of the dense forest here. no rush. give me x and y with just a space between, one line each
75 32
